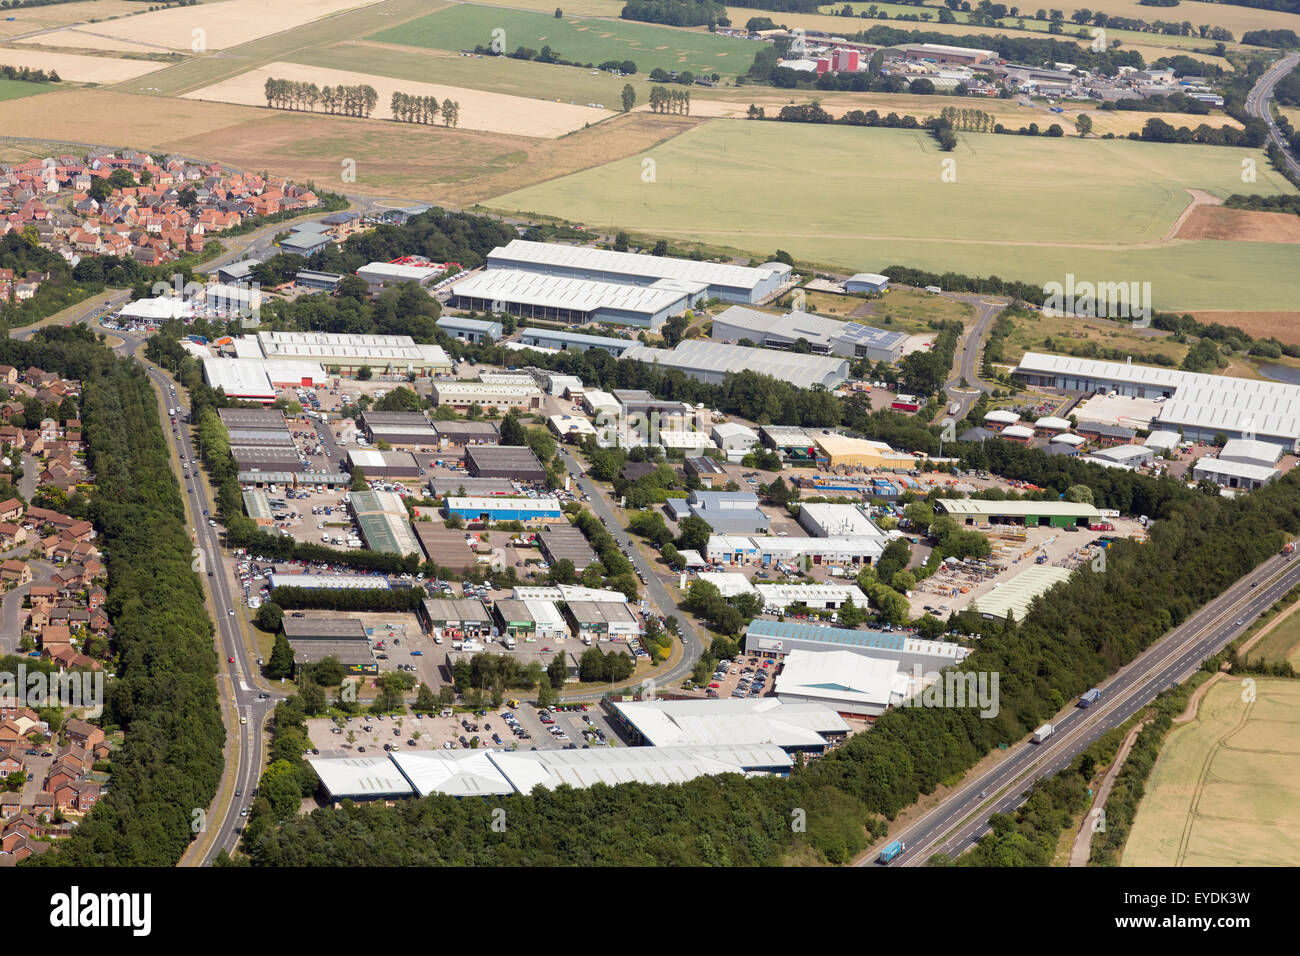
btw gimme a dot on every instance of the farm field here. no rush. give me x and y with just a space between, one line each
494 112
27 19
1282 642
583 40
223 24
15 89
1011 113
453 167
878 199
1225 788
79 68
1282 325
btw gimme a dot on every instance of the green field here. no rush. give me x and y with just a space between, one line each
581 39
16 89
1223 791
863 199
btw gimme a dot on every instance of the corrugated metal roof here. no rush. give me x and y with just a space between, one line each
562 292
633 264
697 355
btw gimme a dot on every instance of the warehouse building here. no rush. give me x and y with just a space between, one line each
407 430
1050 425
360 779
732 437
999 419
793 444
329 582
1249 452
940 53
844 451
822 519
1031 514
473 487
828 596
852 685
1015 595
1234 474
727 282
1162 441
1130 456
382 275
571 428
255 437
1198 405
712 362
492 510
244 379
257 507
445 547
774 549
347 352
268 418
574 301
564 542
824 336
596 402
562 340
455 618
458 434
471 330
687 442
606 621
795 727
708 471
729 583
266 458
464 395
773 640
384 522
383 464
315 638
516 462
318 281
866 282
1101 433
727 512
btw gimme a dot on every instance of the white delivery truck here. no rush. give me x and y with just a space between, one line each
1042 733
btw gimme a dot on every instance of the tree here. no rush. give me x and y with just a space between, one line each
280 664
556 672
365 373
620 242
269 617
311 696
512 430
425 702
1079 494
693 534
1083 123
629 97
358 479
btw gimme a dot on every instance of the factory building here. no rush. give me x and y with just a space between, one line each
455 618
727 512
530 620
795 727
727 282
461 433
445 547
347 352
384 522
827 597
605 621
1030 514
772 640
1234 474
821 520
550 298
1015 595
473 487
852 685
775 549
516 462
712 362
793 444
865 281
258 380
490 510
734 438
382 275
565 542
824 336
406 430
383 464
562 340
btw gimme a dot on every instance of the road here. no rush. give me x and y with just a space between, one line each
1257 104
962 818
243 704
968 355
660 599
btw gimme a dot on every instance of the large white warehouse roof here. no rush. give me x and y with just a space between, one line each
561 292
696 356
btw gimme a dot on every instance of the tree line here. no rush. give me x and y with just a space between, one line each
424 109
28 75
677 13
343 100
664 100
348 599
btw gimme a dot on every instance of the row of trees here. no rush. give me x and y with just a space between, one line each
28 75
664 100
424 109
676 13
345 100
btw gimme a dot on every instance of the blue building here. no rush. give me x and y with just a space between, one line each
490 510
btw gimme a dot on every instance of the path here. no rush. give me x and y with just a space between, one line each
1082 848
1199 198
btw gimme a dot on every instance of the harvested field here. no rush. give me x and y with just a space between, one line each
491 112
1225 788
78 68
1283 326
1240 225
29 19
217 25
452 167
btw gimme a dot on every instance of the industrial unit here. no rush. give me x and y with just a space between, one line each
462 617
385 524
464 395
708 471
383 464
399 353
408 430
772 640
606 621
1234 474
727 282
727 512
445 547
828 596
516 462
471 330
491 510
711 362
1015 595
530 620
459 434
790 442
850 684
329 582
773 549
473 487
551 298
822 519
866 281
1031 514
563 340
824 336
732 437
564 542
315 638
258 380
381 275
795 728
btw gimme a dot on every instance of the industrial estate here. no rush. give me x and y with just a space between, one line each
452 434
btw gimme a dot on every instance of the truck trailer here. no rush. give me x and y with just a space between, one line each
1042 733
890 852
1091 697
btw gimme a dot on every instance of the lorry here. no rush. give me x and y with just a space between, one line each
1101 526
1042 733
1288 548
891 852
1091 697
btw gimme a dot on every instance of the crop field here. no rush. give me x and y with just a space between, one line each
15 89
1225 789
215 26
583 40
1281 642
1034 210
494 112
78 68
27 19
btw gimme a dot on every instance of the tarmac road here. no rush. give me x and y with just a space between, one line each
1257 101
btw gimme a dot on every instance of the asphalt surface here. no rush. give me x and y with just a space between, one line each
660 600
1257 101
961 819
968 354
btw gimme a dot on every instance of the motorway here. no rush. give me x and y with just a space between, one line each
238 681
658 594
961 819
1257 104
